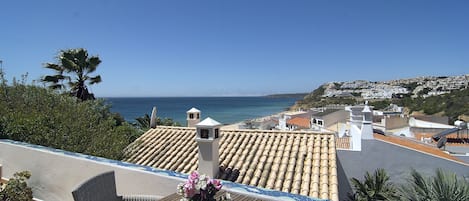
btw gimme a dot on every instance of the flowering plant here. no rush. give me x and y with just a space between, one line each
199 188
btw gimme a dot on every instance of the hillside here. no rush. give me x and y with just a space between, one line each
447 95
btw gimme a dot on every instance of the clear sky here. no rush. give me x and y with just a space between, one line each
242 47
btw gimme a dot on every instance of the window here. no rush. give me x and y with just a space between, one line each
216 133
320 122
198 116
204 133
191 116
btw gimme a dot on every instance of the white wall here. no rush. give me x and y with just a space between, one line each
56 175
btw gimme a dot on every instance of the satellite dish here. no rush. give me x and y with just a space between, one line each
441 142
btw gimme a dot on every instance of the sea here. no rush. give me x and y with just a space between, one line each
226 110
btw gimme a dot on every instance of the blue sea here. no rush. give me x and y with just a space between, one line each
225 110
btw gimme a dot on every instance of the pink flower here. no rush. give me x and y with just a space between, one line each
216 183
194 177
189 190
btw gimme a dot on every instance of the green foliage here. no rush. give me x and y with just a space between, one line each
143 122
17 189
380 104
424 91
39 116
374 187
451 104
443 186
74 66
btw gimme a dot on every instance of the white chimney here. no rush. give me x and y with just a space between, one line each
193 117
208 139
367 123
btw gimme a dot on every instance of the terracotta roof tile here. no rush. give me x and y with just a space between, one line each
295 162
300 122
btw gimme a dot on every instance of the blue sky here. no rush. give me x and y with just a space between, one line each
243 47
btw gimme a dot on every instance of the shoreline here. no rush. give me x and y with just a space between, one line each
235 126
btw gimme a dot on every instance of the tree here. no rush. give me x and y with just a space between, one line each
443 186
40 116
74 66
374 187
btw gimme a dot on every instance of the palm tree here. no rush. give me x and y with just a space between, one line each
76 63
443 186
374 187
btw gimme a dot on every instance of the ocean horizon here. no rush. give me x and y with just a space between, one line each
226 110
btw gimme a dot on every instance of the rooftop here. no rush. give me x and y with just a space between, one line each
295 162
420 147
193 110
300 122
47 164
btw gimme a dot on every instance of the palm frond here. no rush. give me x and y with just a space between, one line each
55 67
93 63
52 78
96 79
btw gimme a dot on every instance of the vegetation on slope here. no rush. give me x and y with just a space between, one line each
40 116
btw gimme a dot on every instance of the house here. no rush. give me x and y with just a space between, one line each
297 162
328 118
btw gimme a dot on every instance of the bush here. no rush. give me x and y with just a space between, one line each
17 189
40 116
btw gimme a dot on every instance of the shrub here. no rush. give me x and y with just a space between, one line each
40 116
17 189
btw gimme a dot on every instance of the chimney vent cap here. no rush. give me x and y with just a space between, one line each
208 122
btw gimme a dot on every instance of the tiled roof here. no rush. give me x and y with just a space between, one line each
295 162
342 143
301 122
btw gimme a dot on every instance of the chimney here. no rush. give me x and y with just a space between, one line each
153 118
193 117
367 123
208 139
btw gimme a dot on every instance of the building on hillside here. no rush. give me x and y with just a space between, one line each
298 123
390 120
328 118
285 122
